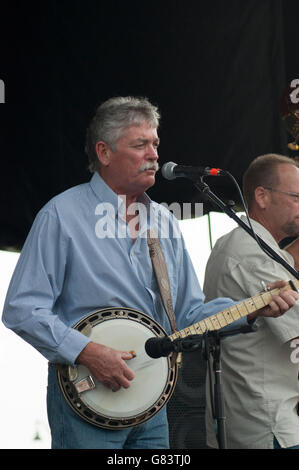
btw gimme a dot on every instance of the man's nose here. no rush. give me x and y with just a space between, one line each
153 153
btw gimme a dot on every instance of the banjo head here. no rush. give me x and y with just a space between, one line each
154 382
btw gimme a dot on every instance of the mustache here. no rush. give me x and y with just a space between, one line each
149 166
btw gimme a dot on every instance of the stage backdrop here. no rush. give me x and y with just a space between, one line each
216 70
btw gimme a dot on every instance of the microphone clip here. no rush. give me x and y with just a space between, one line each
189 344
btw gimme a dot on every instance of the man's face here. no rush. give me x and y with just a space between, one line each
283 209
137 147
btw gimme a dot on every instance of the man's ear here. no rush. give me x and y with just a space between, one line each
103 152
261 196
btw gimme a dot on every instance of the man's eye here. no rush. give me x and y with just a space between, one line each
136 147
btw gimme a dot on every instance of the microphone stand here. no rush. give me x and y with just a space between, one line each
210 343
212 347
226 208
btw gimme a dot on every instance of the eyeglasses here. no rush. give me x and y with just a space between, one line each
295 196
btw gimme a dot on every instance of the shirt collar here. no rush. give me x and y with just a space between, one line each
260 230
268 238
106 194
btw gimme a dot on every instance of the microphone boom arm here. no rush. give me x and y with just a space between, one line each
203 187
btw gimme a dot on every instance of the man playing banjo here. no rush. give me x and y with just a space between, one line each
87 250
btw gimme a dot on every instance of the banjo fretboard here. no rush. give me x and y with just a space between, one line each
231 314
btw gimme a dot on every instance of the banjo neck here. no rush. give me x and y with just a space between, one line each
231 314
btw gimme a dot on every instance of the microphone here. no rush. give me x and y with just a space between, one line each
171 170
158 347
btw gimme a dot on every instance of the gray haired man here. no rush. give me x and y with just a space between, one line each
66 271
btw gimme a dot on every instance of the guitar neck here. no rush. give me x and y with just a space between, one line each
231 314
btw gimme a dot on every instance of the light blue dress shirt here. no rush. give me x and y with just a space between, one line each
73 264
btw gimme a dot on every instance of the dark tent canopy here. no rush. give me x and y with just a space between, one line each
217 71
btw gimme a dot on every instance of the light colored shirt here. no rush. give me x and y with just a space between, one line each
73 264
260 380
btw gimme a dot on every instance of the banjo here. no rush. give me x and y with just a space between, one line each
155 379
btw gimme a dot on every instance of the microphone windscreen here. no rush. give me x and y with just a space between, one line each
167 170
158 347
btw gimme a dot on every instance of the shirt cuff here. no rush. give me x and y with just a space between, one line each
73 343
